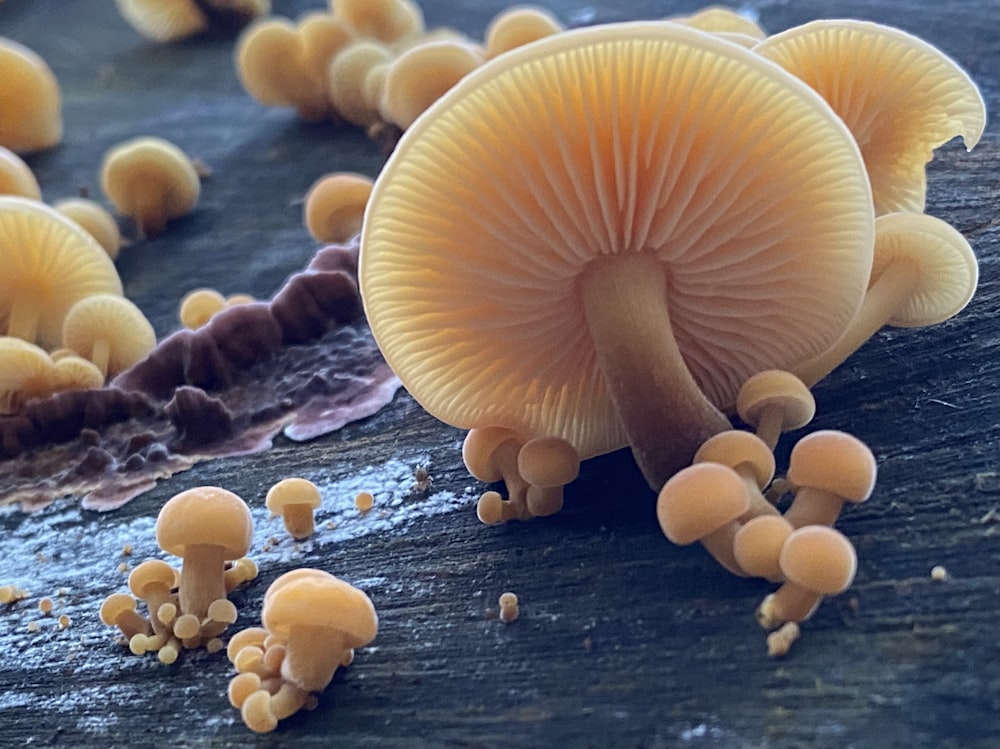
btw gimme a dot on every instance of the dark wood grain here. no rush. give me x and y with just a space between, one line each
624 639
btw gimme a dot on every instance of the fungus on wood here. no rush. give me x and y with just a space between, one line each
614 264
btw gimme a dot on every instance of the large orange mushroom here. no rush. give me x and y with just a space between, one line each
601 235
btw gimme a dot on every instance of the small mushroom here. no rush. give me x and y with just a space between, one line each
198 306
548 464
108 330
49 263
335 205
516 26
153 582
383 20
828 469
206 526
704 502
118 610
72 372
757 546
26 372
348 73
151 180
775 401
900 96
96 221
319 618
611 265
295 499
491 454
816 561
32 102
750 457
923 273
16 177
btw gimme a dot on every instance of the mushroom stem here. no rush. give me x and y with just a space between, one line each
814 506
150 215
312 656
882 299
23 320
202 578
769 425
100 354
665 414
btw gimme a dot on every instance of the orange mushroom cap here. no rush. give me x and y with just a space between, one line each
554 249
335 205
30 100
16 177
518 25
108 330
95 220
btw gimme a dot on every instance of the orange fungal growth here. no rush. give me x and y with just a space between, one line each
95 220
76 373
509 607
517 26
151 180
335 206
348 73
383 20
295 500
364 501
775 401
26 372
118 610
198 306
16 177
322 37
108 330
750 457
170 20
491 454
30 100
547 464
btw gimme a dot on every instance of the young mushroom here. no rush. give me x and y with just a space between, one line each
704 502
110 331
198 306
757 546
827 470
622 260
547 464
26 372
816 561
719 20
775 401
206 526
335 205
923 273
516 26
383 20
16 177
491 454
95 220
750 457
29 99
348 73
151 180
295 499
900 96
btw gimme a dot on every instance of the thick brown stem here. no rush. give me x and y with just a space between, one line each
665 414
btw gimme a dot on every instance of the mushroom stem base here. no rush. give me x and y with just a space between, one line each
665 414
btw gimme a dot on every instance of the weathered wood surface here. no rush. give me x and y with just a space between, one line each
624 640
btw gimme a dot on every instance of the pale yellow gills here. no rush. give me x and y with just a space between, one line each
924 272
900 96
601 235
30 100
383 20
49 263
26 372
335 205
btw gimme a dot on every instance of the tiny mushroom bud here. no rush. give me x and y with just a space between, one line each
548 464
110 331
16 177
384 20
73 372
206 526
335 206
118 610
828 468
95 220
757 546
491 454
517 26
153 581
718 20
750 457
704 502
31 100
151 180
295 499
816 561
163 20
775 401
26 372
348 72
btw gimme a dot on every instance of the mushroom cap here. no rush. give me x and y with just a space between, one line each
699 500
49 258
819 559
335 205
163 20
293 491
320 600
735 176
518 25
148 166
757 545
735 448
114 320
29 99
347 75
115 605
151 572
776 388
322 37
16 177
74 372
717 19
478 448
26 371
205 515
900 96
948 271
548 461
834 461
198 306
383 20
95 220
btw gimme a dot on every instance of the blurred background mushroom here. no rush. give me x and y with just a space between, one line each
30 100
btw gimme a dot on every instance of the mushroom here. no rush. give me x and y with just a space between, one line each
900 96
151 180
348 72
29 99
16 177
757 546
198 306
319 617
775 401
118 610
548 464
295 499
108 330
96 221
516 26
153 581
170 20
421 75
716 19
750 457
816 561
491 454
322 37
384 20
49 263
73 372
827 469
26 372
555 250
206 526
924 272
335 205
704 502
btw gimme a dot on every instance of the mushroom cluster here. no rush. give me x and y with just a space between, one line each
210 529
312 623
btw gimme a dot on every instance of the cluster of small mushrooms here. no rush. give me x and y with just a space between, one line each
312 621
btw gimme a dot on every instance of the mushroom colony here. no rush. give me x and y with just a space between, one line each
653 235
